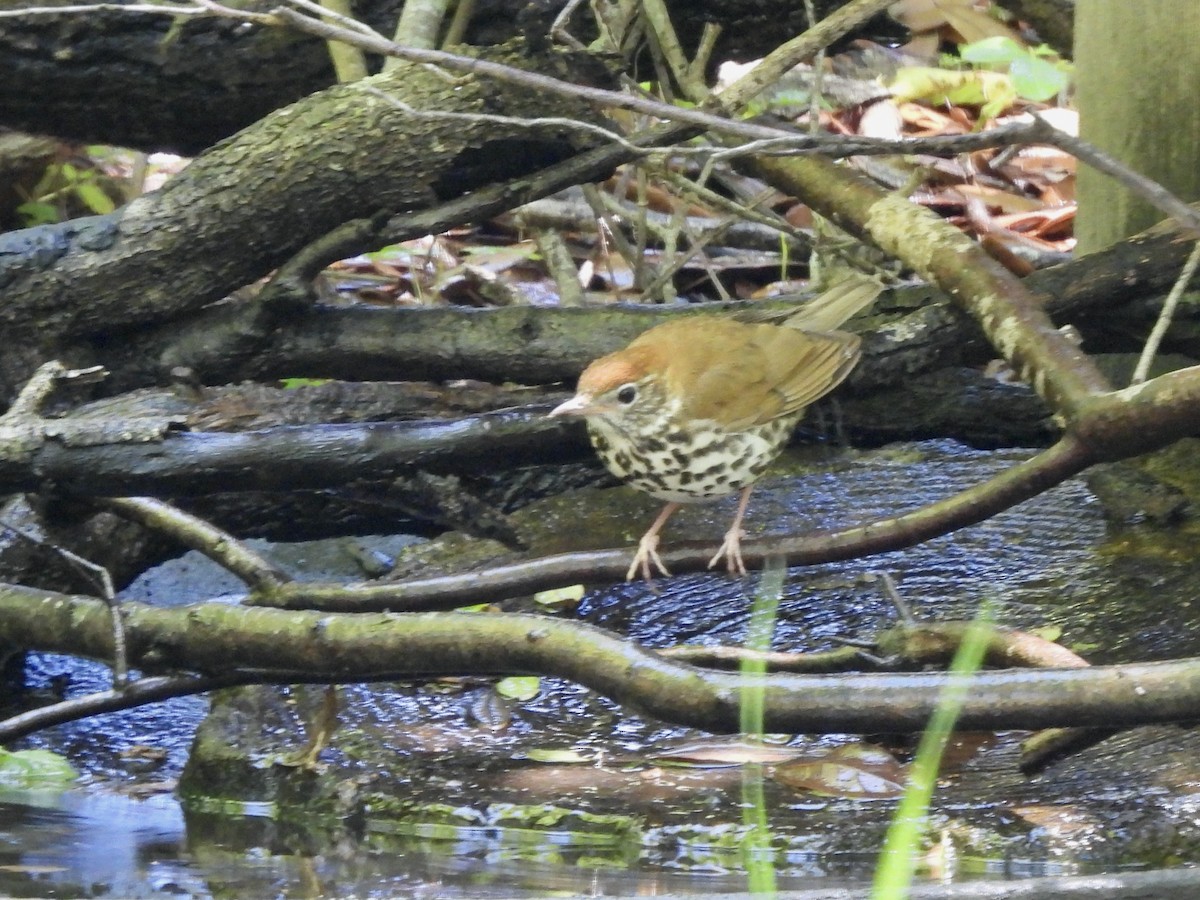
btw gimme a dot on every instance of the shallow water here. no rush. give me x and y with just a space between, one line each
478 801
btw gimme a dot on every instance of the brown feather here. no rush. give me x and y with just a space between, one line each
743 375
737 374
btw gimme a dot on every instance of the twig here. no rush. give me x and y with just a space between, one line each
158 9
324 12
786 56
1142 371
100 579
766 140
558 30
1147 188
888 585
538 122
662 32
418 25
137 693
259 573
463 10
1025 480
349 63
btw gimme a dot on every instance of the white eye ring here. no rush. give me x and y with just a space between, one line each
627 393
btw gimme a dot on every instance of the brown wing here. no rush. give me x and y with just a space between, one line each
822 313
745 375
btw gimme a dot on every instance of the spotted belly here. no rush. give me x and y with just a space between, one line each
686 466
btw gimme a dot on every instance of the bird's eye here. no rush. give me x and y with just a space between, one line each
627 394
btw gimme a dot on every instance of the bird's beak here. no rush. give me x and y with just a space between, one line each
579 405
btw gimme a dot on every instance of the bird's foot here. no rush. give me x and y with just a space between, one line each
647 553
731 551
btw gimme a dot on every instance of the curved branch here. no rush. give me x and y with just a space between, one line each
213 638
1012 318
1021 482
220 546
136 693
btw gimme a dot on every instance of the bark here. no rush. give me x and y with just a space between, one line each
233 342
1136 63
1053 20
888 400
107 462
142 81
258 451
319 647
249 204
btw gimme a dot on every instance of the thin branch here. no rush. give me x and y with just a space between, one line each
324 12
1147 188
734 97
220 546
349 63
767 140
159 9
1164 317
538 122
662 33
530 80
463 10
137 693
1006 489
786 56
102 580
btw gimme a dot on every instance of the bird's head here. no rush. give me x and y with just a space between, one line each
620 390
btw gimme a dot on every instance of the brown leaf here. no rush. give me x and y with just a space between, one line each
856 770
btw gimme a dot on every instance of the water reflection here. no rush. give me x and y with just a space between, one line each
77 844
84 844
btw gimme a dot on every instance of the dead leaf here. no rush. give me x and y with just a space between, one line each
856 770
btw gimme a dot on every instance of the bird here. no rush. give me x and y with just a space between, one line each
696 408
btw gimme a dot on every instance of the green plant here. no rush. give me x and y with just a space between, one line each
1036 72
898 859
756 846
63 186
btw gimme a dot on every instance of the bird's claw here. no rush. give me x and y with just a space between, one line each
647 553
731 550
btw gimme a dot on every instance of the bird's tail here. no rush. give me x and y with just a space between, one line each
829 310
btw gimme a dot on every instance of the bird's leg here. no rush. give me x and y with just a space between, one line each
647 550
731 549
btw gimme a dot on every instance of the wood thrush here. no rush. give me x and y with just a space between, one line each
697 408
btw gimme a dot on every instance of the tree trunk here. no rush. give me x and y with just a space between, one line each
1138 68
145 81
249 204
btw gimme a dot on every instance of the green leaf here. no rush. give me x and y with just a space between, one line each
519 687
559 755
94 198
35 212
559 596
994 51
34 769
1037 79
